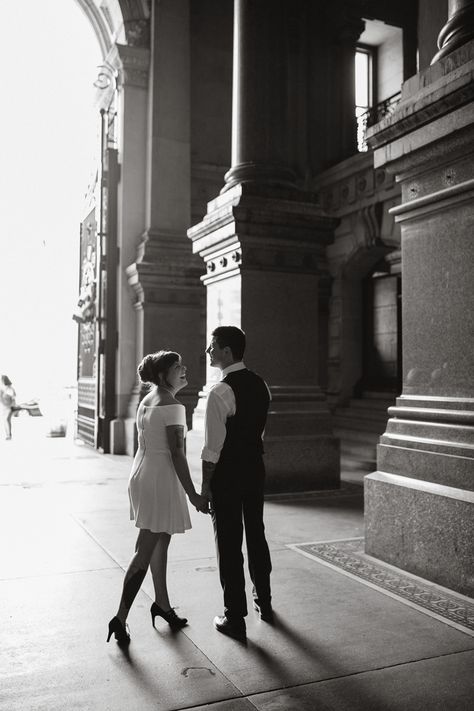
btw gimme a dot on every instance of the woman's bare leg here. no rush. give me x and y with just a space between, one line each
136 571
158 564
8 425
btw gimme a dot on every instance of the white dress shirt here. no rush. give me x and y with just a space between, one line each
220 405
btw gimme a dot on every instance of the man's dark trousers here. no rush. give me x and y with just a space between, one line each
237 491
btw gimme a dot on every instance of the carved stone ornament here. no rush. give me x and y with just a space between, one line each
106 85
137 33
131 64
85 311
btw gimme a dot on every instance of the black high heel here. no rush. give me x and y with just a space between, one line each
121 634
171 617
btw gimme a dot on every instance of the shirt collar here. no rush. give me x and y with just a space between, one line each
233 368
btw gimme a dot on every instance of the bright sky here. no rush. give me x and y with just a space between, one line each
48 62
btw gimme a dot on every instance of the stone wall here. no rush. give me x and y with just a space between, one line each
360 197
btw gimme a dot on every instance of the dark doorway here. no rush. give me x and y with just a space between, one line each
382 354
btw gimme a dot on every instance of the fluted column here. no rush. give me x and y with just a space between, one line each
459 28
260 94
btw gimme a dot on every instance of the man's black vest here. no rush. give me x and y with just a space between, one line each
244 429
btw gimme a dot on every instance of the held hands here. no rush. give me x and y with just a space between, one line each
200 502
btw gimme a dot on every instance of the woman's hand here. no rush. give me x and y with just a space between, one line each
199 502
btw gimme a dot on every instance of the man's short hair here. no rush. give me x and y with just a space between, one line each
232 337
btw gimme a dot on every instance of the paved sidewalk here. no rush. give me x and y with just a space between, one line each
65 540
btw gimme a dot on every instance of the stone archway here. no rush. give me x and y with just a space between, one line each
124 22
116 208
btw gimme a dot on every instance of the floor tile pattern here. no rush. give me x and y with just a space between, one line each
349 557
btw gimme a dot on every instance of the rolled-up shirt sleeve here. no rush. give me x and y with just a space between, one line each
218 410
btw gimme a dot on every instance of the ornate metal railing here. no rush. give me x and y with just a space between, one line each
371 116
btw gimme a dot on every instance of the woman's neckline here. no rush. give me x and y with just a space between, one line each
171 404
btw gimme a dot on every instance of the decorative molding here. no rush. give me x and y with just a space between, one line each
422 206
99 25
106 85
247 229
354 185
348 557
131 65
166 271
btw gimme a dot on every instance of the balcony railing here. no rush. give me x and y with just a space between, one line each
372 115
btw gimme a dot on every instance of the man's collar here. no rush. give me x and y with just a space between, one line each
233 368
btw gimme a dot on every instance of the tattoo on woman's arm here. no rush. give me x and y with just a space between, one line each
179 438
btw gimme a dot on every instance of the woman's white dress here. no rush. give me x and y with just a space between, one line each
157 498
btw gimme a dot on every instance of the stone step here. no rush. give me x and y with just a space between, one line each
353 464
377 417
374 395
356 440
371 404
358 450
377 427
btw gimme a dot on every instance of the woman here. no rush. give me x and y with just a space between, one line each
7 404
158 482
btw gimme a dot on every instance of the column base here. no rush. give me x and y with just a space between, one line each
117 437
301 463
422 527
266 174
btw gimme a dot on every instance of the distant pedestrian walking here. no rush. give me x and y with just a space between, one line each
159 482
7 404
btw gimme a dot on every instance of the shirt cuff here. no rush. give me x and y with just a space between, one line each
209 456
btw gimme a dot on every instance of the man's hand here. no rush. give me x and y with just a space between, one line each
200 503
207 474
206 494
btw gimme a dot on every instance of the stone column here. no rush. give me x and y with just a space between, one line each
259 95
127 66
165 275
420 501
263 242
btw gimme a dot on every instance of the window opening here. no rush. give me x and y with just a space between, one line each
364 94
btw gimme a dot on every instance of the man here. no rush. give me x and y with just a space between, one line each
233 476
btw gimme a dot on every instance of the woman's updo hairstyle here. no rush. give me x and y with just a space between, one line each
155 364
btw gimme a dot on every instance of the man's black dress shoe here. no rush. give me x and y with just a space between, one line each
232 628
265 611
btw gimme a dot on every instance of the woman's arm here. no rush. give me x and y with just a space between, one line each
175 434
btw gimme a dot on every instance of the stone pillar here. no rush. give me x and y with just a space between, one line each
420 501
259 94
263 242
133 64
165 275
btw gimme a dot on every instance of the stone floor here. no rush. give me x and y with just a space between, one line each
65 540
